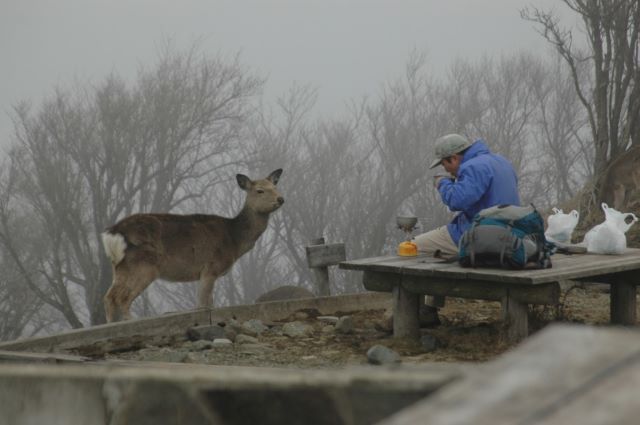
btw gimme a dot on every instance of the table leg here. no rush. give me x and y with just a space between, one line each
515 316
405 313
434 300
623 303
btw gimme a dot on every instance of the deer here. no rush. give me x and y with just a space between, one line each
184 248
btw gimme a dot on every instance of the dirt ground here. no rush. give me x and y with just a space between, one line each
471 331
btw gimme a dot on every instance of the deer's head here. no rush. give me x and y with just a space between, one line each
262 195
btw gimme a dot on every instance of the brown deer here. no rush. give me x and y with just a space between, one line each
622 180
184 248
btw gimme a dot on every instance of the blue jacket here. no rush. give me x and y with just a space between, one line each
484 180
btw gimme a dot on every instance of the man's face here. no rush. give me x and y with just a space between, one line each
452 163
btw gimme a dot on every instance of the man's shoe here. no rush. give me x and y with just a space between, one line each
428 317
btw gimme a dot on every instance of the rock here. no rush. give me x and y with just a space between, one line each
164 355
429 343
200 345
385 324
233 325
254 327
328 329
328 319
285 292
255 348
246 339
379 354
300 315
229 333
345 325
222 343
205 332
297 329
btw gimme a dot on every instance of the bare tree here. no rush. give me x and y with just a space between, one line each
559 129
612 97
92 155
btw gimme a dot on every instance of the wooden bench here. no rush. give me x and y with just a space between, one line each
409 278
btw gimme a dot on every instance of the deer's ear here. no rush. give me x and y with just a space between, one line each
275 176
243 181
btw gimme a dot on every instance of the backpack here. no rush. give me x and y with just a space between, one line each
506 236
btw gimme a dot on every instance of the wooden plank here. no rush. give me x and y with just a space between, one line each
381 282
137 331
479 289
515 317
325 254
613 401
27 357
405 313
321 281
388 261
623 303
546 375
565 267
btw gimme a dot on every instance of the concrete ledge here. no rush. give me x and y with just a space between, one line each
22 357
174 325
164 393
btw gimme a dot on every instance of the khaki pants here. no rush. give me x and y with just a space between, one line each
436 240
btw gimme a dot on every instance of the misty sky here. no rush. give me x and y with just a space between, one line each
345 48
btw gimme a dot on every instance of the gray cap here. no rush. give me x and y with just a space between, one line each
447 146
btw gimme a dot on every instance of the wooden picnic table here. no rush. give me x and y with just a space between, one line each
409 278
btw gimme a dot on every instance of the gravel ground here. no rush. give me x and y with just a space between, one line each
471 331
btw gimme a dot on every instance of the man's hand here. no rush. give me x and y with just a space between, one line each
438 178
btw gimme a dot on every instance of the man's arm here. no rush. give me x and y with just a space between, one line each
471 184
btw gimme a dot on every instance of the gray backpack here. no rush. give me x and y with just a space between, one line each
506 236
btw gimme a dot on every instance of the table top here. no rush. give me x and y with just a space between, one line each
573 266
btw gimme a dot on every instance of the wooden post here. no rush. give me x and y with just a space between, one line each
319 257
405 313
515 315
623 303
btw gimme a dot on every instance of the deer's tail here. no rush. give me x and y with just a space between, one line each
114 245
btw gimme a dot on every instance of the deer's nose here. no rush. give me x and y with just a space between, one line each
280 200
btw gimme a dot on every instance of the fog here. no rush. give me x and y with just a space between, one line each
346 49
344 96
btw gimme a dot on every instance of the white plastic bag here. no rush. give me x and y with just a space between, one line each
561 225
608 237
619 218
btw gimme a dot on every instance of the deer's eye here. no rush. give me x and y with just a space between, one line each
260 191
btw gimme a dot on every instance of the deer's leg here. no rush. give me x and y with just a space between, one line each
129 281
205 298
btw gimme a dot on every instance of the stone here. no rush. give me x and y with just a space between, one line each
222 343
385 324
229 333
164 355
205 332
429 343
328 329
297 329
200 345
379 355
246 339
328 319
344 325
255 348
254 326
300 315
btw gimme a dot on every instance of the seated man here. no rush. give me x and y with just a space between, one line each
477 179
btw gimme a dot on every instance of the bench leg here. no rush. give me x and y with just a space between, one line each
515 316
623 303
434 300
405 313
